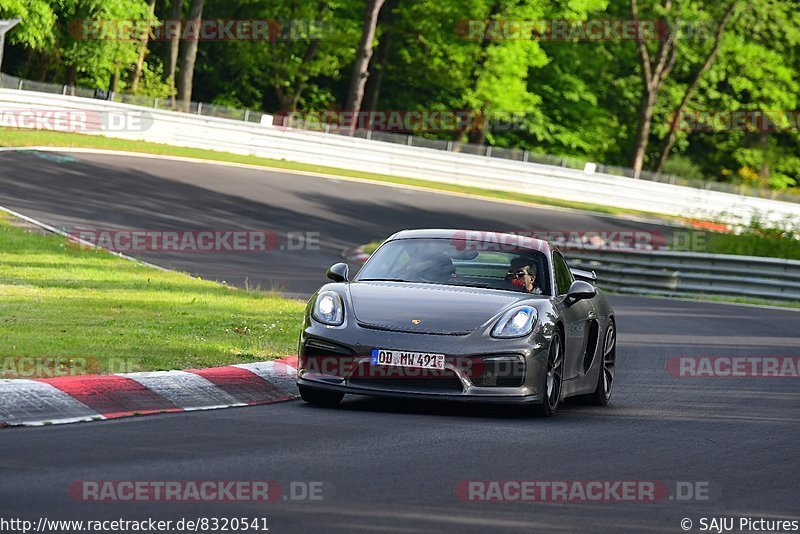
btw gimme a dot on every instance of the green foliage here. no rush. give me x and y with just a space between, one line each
153 81
37 22
578 99
684 167
756 238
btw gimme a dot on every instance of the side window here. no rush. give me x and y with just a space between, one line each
563 274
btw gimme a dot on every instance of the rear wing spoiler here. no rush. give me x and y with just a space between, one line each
586 276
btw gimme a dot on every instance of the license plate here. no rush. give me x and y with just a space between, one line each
399 358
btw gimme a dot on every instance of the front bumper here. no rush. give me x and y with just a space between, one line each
339 359
514 399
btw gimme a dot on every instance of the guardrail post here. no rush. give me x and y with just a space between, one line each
488 151
199 108
19 86
155 103
409 140
246 115
64 89
369 134
525 156
450 146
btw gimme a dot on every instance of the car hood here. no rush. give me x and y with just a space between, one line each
439 309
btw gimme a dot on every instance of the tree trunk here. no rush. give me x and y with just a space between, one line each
644 123
763 140
114 81
654 74
137 74
478 135
379 66
687 96
355 94
72 76
174 44
189 55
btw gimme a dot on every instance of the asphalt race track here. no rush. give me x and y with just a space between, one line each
393 466
104 192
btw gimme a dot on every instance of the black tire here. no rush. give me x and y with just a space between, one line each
320 397
605 378
553 378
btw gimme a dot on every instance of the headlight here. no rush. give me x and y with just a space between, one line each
329 309
516 322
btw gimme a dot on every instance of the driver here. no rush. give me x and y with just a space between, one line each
437 268
522 275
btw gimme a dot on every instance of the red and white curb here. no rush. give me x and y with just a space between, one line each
70 399
356 255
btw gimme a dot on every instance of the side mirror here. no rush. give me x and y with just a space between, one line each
580 290
339 272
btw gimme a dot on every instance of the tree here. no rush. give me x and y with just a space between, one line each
174 41
692 87
299 66
656 72
358 80
137 74
37 25
189 55
378 67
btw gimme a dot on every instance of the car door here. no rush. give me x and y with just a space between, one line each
576 318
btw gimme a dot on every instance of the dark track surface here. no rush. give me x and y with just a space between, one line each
111 192
394 466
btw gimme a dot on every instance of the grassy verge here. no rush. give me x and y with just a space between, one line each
58 300
750 242
750 301
11 137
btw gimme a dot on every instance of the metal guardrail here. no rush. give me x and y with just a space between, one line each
264 140
691 274
170 104
488 151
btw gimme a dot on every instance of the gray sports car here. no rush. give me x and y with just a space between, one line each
459 315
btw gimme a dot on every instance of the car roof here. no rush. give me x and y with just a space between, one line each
511 240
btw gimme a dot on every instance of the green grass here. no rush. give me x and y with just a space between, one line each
750 301
59 300
371 247
749 244
12 137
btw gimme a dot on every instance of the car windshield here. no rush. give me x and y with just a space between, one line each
456 262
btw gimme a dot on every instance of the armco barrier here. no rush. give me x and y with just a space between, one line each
239 137
691 274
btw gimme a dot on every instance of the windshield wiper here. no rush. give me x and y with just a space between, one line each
383 280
